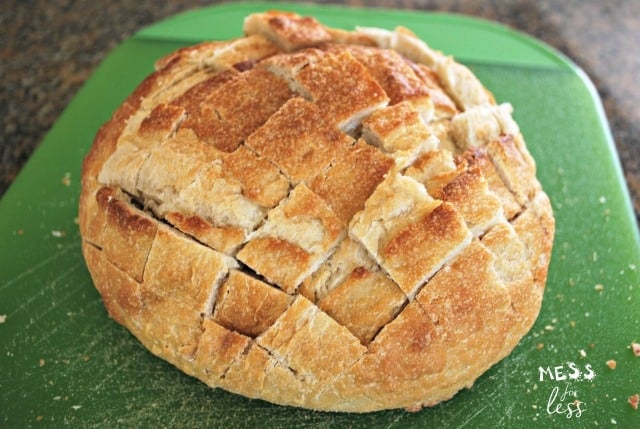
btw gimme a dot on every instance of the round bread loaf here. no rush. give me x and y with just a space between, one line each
329 219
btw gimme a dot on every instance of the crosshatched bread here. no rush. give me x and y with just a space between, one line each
330 219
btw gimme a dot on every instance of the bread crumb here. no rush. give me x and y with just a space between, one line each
635 347
540 346
3 318
583 354
549 328
611 364
76 407
572 323
39 418
599 287
41 362
66 179
57 233
633 401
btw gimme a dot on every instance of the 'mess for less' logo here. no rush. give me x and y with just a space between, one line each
570 371
565 401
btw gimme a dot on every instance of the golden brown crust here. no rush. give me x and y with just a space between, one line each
414 253
128 236
298 141
302 230
247 305
237 108
330 219
364 302
288 30
336 186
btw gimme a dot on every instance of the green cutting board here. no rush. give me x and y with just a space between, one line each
63 361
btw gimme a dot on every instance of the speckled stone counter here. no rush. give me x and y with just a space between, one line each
49 48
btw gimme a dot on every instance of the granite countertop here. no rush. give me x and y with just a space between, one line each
49 48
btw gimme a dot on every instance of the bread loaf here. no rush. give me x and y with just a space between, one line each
329 219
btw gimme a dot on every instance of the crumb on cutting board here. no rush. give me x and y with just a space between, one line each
612 364
634 400
58 233
635 347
